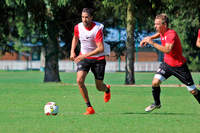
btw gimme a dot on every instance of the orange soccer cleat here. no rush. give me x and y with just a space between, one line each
107 96
89 111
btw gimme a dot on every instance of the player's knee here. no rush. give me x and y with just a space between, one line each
194 92
80 81
155 83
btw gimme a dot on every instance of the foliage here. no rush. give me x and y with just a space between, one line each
184 16
143 10
185 19
27 21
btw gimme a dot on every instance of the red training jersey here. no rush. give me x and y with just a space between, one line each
174 58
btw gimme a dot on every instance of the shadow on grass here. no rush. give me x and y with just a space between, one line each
156 113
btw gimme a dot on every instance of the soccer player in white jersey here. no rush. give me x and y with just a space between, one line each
91 57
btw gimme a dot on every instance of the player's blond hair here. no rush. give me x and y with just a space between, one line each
163 17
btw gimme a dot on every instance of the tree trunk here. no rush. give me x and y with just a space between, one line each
51 56
42 59
130 47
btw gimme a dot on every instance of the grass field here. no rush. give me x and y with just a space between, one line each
23 96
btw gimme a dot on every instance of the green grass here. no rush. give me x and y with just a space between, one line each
23 95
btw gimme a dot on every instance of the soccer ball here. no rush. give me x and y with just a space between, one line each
51 108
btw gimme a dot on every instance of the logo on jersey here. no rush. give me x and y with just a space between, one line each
88 37
164 38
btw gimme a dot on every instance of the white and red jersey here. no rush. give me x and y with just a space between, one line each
199 34
89 37
174 58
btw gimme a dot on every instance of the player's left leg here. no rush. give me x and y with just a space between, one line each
196 93
98 70
184 75
103 87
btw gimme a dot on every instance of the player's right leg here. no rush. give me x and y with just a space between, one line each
82 71
81 75
156 95
162 74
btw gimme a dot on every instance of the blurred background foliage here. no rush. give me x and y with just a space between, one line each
25 21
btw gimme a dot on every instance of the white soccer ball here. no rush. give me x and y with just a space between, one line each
51 108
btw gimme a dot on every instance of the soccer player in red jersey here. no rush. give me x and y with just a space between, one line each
174 62
198 39
91 57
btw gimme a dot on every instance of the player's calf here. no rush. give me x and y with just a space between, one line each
196 94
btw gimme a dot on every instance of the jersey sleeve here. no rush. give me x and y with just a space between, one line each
199 34
99 36
76 33
170 38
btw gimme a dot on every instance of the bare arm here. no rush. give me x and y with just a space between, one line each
99 49
143 42
165 49
73 47
198 42
156 35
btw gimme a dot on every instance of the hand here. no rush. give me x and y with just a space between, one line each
79 58
149 40
72 56
143 43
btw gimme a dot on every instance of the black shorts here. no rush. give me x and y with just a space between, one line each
97 67
182 73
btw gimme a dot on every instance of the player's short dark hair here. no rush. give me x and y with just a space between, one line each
89 11
163 17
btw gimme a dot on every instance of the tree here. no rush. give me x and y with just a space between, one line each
122 10
34 21
185 19
125 14
56 21
7 27
44 21
130 58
